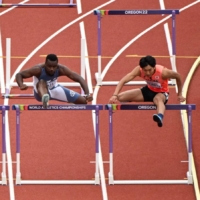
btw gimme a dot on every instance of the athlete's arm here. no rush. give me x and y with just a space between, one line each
128 77
64 71
34 71
170 74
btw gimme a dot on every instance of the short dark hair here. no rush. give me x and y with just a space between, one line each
147 60
51 57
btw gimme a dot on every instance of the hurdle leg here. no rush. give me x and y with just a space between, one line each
3 174
97 180
110 174
189 173
98 75
18 173
82 61
8 57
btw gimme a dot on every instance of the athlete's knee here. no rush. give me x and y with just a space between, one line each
80 100
120 97
158 99
42 82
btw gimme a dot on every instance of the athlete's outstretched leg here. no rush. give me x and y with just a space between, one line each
43 92
134 95
61 93
80 100
159 101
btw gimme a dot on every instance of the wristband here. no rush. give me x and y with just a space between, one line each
115 95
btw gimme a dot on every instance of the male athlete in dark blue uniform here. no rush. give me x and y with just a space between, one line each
45 82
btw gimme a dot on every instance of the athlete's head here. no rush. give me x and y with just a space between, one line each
51 64
148 64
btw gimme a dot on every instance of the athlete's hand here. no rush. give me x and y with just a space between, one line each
113 99
23 87
181 98
89 98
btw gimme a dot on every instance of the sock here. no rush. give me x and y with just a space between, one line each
160 115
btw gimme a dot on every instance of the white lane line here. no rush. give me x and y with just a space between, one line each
87 64
8 146
132 41
172 57
188 6
169 44
89 81
79 7
52 36
9 156
167 34
162 5
2 83
9 9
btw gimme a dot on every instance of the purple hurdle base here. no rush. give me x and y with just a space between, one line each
188 107
19 108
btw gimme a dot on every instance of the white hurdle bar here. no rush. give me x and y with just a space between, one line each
19 108
188 107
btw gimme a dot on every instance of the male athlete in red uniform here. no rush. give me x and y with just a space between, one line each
155 91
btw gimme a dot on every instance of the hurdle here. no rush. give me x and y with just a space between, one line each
187 107
3 109
32 5
100 13
14 84
19 108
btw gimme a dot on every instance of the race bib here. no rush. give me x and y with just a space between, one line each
154 84
52 84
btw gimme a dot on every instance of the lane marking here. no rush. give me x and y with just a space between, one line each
9 156
8 146
87 64
162 5
137 37
79 7
52 36
89 81
125 47
2 83
9 9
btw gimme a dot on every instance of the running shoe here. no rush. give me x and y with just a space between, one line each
158 119
45 100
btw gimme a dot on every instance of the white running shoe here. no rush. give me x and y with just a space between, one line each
45 100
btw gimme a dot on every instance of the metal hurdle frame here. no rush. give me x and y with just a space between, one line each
101 13
19 108
70 4
188 107
3 109
5 92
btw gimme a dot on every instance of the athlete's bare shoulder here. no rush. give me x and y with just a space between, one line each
63 70
36 70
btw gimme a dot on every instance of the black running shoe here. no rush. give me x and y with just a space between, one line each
157 119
